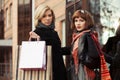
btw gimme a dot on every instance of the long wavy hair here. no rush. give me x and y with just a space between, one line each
40 12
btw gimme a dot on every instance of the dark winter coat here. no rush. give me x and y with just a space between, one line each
111 49
111 45
51 37
116 64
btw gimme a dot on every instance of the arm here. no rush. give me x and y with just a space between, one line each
87 45
89 54
107 47
33 36
50 36
108 58
66 50
107 50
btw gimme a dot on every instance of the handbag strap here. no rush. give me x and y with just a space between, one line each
97 44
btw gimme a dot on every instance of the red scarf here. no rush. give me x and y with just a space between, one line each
75 38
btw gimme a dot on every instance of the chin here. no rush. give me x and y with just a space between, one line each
79 29
47 24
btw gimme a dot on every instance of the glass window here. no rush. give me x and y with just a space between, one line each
20 2
24 19
70 8
69 13
27 1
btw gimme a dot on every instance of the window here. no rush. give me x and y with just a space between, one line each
24 19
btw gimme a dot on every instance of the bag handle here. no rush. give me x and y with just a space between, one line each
34 36
97 43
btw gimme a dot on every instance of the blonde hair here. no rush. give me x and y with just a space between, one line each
39 13
85 15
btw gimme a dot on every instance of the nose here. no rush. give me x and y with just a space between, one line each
78 23
47 17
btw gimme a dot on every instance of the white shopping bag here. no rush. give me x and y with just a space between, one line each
33 55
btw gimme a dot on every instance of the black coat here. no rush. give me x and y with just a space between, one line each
111 45
111 49
51 37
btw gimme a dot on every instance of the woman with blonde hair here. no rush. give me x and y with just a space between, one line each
44 22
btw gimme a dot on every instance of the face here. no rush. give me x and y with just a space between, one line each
47 18
80 23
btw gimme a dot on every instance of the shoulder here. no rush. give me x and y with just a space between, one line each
112 38
86 34
41 31
55 32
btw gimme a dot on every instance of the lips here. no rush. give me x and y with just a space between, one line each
78 27
47 22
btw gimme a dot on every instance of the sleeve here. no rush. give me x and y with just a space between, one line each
49 37
116 58
88 53
108 58
87 45
107 47
66 50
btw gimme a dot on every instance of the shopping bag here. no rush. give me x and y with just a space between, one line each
105 75
33 55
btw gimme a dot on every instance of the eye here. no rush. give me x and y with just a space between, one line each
76 20
44 16
50 15
82 20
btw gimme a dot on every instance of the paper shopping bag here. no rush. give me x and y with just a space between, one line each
33 55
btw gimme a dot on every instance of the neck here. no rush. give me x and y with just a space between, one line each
41 25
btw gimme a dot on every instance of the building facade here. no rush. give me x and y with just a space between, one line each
5 40
16 20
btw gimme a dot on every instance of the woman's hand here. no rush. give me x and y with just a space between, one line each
34 36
